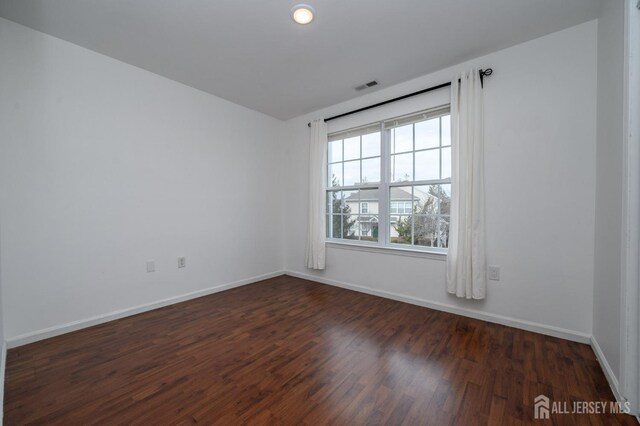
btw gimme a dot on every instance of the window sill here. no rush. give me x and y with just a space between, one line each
397 251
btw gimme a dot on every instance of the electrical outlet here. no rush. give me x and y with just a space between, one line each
151 265
493 272
182 262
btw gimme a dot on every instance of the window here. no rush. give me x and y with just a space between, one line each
389 183
354 168
400 207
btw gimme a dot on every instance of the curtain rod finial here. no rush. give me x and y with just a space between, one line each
482 73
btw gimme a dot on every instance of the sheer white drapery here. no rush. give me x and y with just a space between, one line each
466 258
316 250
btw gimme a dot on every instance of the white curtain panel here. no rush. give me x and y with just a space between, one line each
466 258
317 196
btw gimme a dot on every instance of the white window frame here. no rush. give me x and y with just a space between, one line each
384 186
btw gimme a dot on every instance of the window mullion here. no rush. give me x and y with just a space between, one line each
383 192
420 182
413 152
413 217
440 145
329 219
342 165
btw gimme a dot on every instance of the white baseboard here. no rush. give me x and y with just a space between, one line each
608 372
46 333
494 318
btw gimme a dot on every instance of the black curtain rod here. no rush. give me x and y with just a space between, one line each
482 73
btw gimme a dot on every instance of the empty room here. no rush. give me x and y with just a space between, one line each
267 212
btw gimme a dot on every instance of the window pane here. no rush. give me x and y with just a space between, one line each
336 226
349 206
328 205
350 202
445 199
428 165
446 163
370 198
416 204
443 232
335 151
352 148
335 175
427 199
350 227
351 173
334 202
401 197
371 145
400 225
328 227
446 130
428 134
426 230
400 230
402 139
402 167
371 170
368 226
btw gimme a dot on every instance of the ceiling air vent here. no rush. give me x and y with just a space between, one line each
367 85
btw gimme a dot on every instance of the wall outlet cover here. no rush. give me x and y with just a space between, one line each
493 273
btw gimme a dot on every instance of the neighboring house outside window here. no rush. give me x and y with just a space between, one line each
389 183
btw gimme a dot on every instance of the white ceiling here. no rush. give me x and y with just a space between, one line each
250 51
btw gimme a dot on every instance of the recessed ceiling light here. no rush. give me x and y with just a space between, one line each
302 14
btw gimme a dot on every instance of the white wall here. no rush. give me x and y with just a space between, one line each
608 225
104 165
540 112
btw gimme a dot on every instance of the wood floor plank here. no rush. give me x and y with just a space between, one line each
290 351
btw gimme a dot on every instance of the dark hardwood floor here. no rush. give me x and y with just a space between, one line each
290 351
